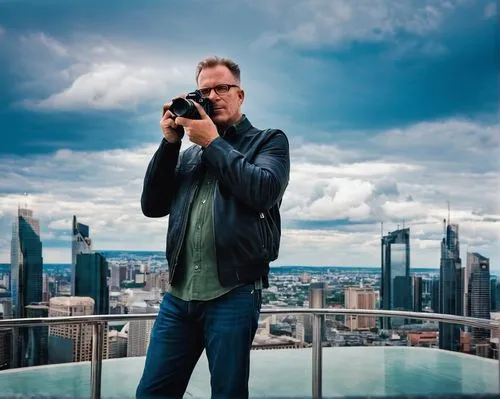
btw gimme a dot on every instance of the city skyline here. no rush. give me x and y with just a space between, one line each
390 107
88 249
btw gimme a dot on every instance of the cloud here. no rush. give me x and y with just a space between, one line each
490 10
316 23
92 73
40 39
347 195
112 86
2 31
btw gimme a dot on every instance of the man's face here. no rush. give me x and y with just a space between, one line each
227 105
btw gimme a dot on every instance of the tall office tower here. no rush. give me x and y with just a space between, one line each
5 344
38 342
26 276
395 259
493 292
92 279
123 274
117 344
72 342
479 292
435 295
360 298
115 278
417 285
139 331
81 244
451 288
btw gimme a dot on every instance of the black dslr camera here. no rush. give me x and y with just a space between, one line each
185 106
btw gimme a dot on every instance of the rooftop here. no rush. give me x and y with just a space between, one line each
347 371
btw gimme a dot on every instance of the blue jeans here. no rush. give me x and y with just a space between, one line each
224 327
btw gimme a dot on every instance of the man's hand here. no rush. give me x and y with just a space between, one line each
200 131
171 131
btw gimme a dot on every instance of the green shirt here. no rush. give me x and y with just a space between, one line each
200 280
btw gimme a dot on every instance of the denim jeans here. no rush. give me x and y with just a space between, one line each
224 327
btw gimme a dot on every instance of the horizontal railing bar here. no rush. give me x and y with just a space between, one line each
452 319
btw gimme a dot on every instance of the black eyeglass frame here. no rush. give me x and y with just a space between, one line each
219 89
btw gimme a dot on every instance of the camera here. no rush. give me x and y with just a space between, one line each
185 106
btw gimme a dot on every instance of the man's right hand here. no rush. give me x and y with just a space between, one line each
171 131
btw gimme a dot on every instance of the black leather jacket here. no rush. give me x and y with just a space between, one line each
251 168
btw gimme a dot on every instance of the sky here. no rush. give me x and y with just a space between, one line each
390 107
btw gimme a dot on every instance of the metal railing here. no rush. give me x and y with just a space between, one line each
98 324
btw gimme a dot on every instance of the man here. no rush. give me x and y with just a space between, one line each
222 196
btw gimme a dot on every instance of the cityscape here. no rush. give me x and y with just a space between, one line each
129 282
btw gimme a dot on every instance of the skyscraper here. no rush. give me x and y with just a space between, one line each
37 351
92 279
71 342
451 290
81 244
435 295
360 298
26 275
494 297
479 292
395 288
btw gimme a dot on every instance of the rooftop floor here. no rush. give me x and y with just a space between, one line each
347 371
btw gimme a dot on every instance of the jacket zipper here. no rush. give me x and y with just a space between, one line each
213 227
262 229
184 225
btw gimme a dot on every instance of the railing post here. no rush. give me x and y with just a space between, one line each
96 364
497 335
317 301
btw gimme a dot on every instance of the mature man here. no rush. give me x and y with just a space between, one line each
222 195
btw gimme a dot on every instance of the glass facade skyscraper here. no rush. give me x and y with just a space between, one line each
451 287
395 287
81 244
26 276
479 288
92 280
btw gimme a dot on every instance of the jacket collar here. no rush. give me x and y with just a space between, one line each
242 126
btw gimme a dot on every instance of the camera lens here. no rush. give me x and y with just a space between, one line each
181 107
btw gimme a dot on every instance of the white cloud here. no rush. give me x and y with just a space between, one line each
103 189
111 86
490 10
41 39
92 73
313 23
451 135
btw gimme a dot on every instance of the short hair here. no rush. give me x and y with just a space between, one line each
213 61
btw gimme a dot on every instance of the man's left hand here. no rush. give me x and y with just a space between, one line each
200 131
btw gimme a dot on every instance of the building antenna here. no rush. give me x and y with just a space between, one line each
382 229
448 212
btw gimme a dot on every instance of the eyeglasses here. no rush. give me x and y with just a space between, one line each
219 90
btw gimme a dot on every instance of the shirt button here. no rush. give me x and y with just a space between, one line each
196 267
203 201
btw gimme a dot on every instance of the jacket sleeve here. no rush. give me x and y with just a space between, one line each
158 187
260 184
